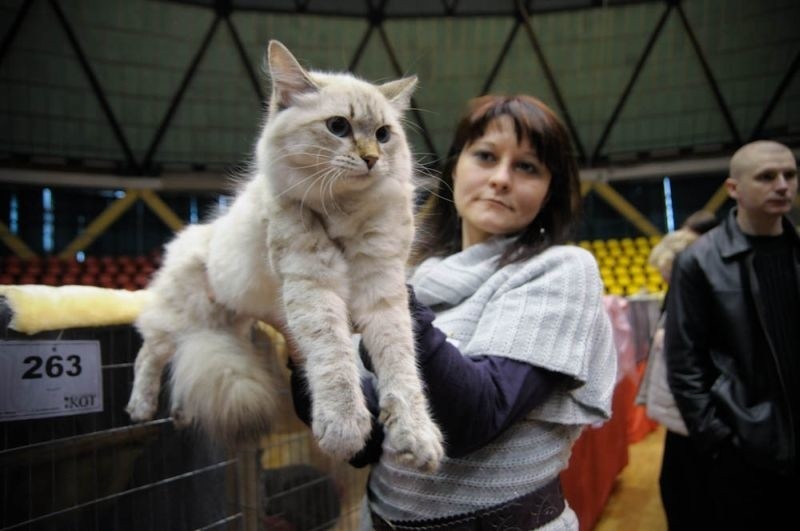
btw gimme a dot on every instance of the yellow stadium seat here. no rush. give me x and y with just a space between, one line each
654 288
632 289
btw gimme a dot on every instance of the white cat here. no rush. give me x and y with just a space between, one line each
315 242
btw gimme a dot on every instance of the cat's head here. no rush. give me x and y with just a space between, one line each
332 133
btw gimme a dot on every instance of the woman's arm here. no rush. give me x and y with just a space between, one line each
472 399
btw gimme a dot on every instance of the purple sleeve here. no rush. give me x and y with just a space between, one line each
472 398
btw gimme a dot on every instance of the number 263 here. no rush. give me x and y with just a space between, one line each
54 366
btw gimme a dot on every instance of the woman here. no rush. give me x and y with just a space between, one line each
683 487
513 343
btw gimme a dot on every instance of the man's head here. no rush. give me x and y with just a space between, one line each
763 182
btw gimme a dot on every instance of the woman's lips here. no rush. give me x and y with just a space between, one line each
497 203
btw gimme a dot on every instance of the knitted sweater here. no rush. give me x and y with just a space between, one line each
547 312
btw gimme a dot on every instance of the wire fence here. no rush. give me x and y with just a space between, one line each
98 471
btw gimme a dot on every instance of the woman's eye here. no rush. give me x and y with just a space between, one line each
338 125
383 134
484 156
527 167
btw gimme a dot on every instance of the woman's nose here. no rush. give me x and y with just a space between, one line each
501 177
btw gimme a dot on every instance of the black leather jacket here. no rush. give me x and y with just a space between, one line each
722 367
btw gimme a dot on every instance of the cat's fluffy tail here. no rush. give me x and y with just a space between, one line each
222 385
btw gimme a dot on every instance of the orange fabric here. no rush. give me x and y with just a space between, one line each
600 454
639 424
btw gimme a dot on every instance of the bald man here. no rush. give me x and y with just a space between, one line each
732 344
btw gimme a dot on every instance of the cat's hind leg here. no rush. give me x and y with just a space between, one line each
155 353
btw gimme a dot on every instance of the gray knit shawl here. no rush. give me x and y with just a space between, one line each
546 311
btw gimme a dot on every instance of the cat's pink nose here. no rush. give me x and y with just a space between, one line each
370 160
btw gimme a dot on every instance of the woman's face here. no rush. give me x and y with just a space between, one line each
499 185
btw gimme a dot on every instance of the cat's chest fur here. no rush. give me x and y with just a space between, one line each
367 228
374 224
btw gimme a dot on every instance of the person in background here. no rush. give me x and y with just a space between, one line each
513 344
732 344
682 484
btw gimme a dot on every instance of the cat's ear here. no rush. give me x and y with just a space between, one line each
289 79
399 91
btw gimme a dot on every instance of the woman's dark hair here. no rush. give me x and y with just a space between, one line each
439 232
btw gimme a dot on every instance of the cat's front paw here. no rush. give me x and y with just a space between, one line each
412 436
341 432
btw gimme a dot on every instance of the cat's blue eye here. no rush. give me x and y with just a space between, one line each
383 134
338 125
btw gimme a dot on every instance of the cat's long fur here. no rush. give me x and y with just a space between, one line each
316 241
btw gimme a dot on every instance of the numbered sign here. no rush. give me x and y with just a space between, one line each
49 379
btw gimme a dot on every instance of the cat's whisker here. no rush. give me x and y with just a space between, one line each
437 185
316 151
425 170
315 154
432 183
319 161
410 124
295 185
325 187
303 181
333 180
443 198
421 109
320 175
